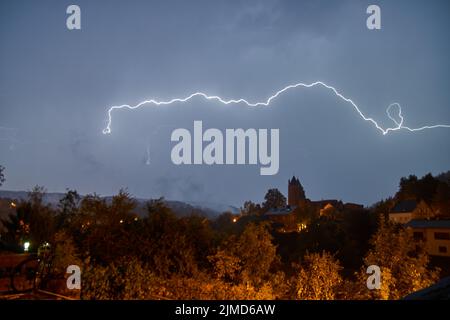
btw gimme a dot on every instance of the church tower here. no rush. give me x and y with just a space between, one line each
296 193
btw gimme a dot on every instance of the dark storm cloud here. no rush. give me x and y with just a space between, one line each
81 153
56 86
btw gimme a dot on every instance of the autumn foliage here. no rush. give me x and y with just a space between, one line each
161 255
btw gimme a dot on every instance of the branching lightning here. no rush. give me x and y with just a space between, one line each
398 123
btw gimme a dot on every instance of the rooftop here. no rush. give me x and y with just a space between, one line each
438 291
284 210
404 206
429 224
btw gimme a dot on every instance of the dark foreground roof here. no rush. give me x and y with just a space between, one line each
438 291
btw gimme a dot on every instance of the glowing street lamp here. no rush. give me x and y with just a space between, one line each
26 246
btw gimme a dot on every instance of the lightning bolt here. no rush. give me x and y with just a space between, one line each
398 123
147 162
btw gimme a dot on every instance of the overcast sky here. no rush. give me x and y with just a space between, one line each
56 86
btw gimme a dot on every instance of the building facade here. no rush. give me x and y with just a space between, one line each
402 212
287 219
434 233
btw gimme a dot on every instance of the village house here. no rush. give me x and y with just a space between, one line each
434 233
285 219
402 212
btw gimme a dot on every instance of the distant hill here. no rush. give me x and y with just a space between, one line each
179 207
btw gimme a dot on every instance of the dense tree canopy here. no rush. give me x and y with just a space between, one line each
318 277
131 252
274 199
2 176
403 262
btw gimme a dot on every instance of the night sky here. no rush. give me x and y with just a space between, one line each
56 87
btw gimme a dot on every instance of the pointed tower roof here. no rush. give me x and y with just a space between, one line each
294 180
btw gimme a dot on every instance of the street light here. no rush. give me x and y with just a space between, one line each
26 246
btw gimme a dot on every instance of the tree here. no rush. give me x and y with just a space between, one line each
408 188
418 189
200 236
165 244
383 207
226 265
68 207
427 186
127 278
444 177
250 208
65 253
274 199
32 222
104 230
318 277
423 211
2 176
441 200
403 262
247 258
